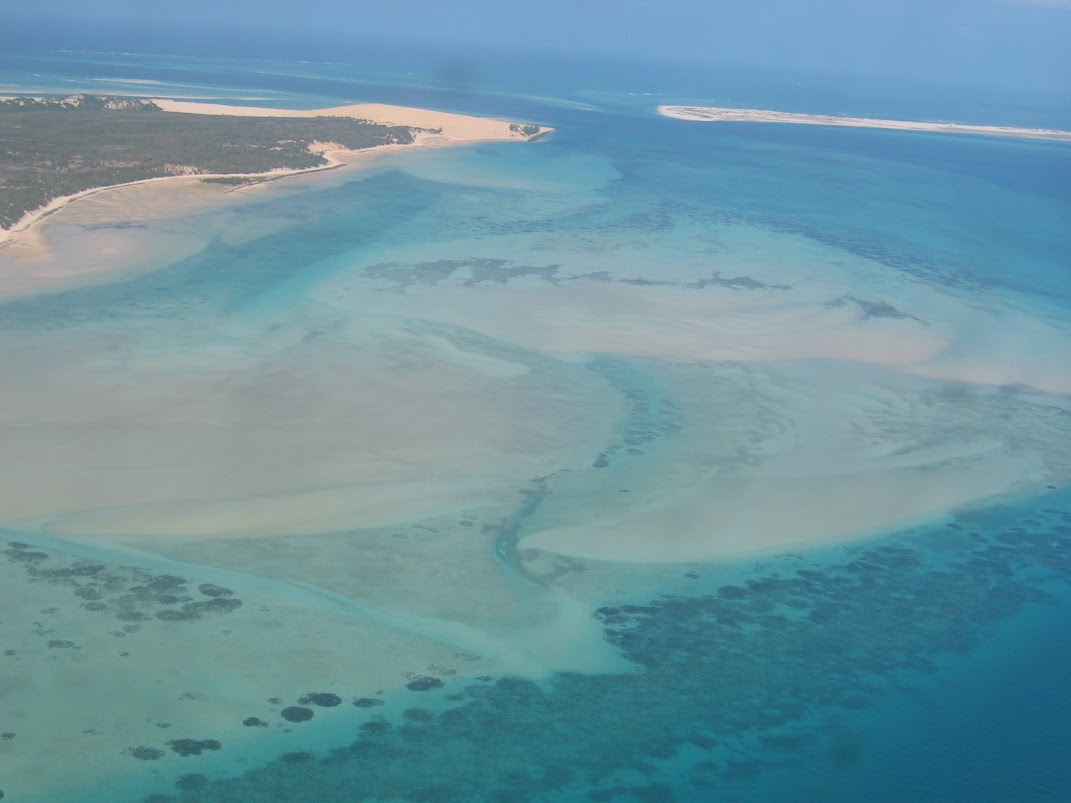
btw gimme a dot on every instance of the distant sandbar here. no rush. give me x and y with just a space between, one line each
715 114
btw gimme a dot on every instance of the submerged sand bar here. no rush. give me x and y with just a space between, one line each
718 114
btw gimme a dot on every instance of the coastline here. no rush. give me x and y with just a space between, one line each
719 114
456 127
26 240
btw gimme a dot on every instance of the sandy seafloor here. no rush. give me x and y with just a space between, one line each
648 461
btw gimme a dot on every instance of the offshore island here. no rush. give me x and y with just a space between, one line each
54 151
716 114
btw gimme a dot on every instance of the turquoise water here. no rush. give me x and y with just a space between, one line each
649 461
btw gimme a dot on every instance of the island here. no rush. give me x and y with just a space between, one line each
716 114
55 150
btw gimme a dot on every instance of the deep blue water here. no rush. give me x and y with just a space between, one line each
929 664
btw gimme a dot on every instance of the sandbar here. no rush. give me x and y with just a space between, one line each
719 114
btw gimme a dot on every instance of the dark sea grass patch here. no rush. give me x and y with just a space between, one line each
642 609
323 699
254 722
170 599
217 605
192 611
191 781
424 683
376 726
172 615
193 747
296 713
78 569
416 734
143 753
166 584
129 593
25 556
732 592
611 616
367 702
213 590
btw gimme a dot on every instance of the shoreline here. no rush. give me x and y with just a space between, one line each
719 114
30 263
439 129
28 223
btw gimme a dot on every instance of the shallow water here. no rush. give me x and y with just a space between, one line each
651 460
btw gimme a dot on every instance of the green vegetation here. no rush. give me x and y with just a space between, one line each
83 102
51 148
527 130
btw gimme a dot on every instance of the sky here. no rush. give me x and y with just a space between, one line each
1007 43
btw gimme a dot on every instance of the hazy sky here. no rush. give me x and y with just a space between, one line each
1016 43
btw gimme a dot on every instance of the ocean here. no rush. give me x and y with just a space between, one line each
650 460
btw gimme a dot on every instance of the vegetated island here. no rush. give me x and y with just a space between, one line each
55 150
716 114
